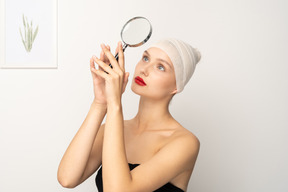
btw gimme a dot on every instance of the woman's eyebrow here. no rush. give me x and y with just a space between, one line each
162 60
146 52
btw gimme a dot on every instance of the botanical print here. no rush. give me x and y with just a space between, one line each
29 34
30 31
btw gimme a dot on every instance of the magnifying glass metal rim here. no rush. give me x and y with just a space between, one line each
134 45
142 42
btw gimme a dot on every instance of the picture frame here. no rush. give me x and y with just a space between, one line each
29 34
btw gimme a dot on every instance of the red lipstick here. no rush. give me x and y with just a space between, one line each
140 81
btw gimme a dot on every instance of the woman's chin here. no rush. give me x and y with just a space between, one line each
136 89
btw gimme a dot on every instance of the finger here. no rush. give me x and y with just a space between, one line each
99 73
92 63
102 59
106 58
92 66
100 68
121 56
117 50
103 65
109 55
102 56
125 81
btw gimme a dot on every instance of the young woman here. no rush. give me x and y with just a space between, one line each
152 151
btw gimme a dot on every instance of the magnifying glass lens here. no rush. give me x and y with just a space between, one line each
136 31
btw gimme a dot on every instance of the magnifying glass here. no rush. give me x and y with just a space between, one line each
135 32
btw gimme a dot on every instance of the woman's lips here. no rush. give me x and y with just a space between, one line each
140 81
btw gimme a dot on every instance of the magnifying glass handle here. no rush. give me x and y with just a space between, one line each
116 56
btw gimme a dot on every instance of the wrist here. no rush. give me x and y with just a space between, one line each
114 101
115 104
98 105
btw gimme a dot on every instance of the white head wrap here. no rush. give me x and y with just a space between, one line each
184 59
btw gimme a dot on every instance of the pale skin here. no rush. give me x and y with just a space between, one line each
165 150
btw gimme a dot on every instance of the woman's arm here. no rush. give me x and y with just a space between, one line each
84 154
114 162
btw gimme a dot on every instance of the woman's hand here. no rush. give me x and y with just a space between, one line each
113 80
98 81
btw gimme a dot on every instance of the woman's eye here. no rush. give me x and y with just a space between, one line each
145 58
161 67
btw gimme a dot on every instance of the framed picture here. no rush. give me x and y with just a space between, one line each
30 34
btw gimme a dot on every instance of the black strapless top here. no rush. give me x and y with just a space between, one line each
169 187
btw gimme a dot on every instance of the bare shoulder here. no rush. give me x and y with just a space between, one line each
181 147
185 135
184 140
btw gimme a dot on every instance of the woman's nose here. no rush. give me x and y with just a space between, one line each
145 69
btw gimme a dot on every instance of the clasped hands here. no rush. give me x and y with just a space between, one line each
109 83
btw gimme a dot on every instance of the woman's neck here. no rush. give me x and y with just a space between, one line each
152 114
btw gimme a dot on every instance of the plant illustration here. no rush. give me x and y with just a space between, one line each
29 35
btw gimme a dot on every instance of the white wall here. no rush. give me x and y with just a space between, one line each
236 102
